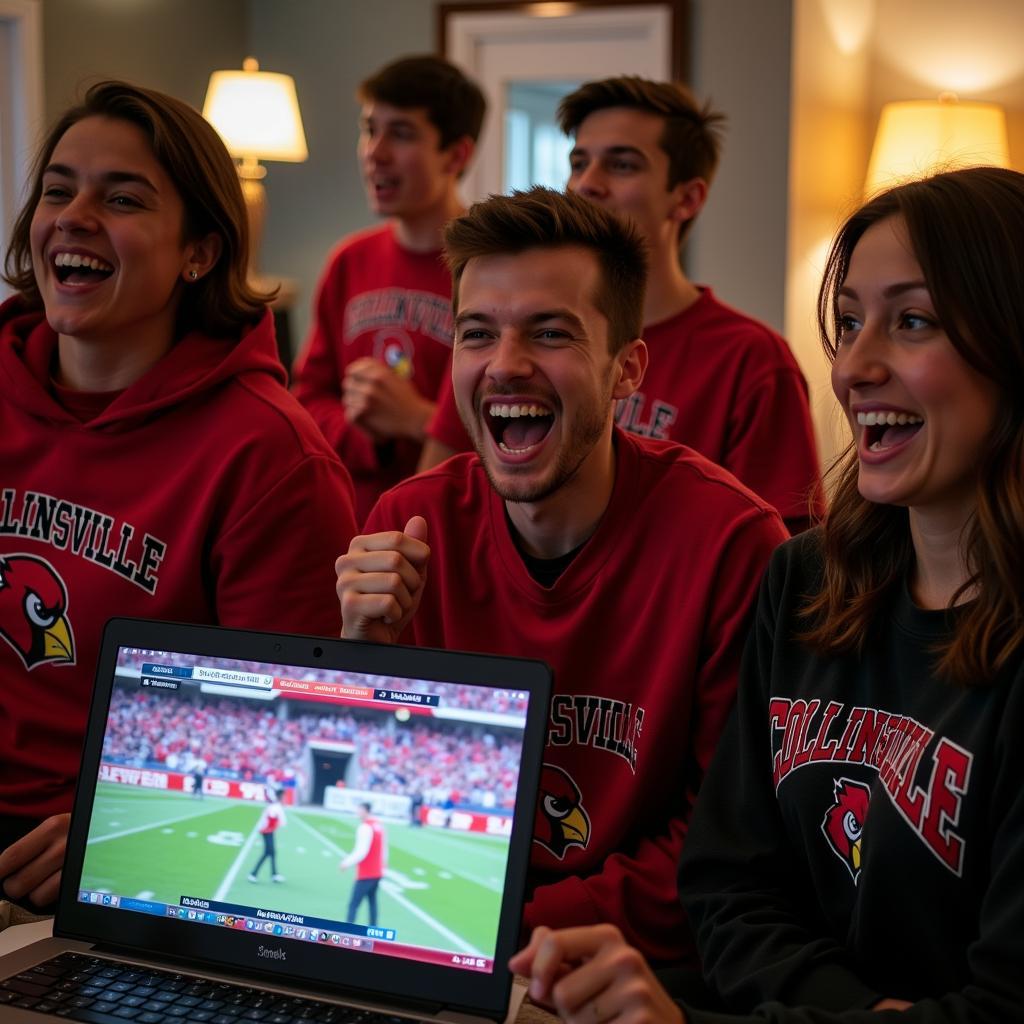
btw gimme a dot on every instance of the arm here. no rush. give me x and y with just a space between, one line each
772 449
364 836
319 373
758 936
380 582
636 888
271 569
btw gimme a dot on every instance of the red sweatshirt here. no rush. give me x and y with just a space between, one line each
643 630
728 387
375 299
202 493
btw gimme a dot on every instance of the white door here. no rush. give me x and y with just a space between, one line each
525 64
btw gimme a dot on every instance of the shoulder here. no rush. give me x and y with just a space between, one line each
457 491
360 244
676 473
741 336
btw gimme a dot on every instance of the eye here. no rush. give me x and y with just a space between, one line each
623 166
851 826
909 321
126 202
473 334
56 192
556 806
37 612
846 323
552 334
577 166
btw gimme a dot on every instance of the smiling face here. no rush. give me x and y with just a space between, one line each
617 162
405 171
921 415
106 237
533 377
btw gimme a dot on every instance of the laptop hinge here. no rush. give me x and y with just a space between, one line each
260 979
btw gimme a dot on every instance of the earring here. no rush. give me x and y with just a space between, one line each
193 275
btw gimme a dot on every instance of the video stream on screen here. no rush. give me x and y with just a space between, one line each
364 812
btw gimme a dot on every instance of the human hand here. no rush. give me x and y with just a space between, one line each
383 402
892 1004
31 867
590 975
380 582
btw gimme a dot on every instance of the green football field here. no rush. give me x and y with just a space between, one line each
441 889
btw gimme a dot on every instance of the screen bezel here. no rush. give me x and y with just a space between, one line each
346 971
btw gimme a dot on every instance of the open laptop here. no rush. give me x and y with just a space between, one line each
397 786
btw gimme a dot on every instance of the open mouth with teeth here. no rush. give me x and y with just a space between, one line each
74 269
519 427
884 430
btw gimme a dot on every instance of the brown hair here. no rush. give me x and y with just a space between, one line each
967 232
691 139
454 104
193 155
542 218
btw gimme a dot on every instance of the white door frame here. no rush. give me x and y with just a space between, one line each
21 101
497 46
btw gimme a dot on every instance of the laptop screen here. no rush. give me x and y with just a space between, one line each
331 807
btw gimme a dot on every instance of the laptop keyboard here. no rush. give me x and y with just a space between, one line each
86 988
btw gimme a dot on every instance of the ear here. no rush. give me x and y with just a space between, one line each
632 365
690 197
458 155
201 256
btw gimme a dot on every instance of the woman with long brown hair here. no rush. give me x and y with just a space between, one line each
858 844
152 462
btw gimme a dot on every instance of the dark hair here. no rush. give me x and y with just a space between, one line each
544 219
197 162
692 137
366 805
454 104
967 232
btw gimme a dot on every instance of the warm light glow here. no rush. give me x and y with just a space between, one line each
920 137
256 113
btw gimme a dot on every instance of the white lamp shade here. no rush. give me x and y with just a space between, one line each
257 114
918 138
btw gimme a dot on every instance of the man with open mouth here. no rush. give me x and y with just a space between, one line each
380 345
551 541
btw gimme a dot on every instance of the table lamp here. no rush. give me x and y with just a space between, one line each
257 114
919 137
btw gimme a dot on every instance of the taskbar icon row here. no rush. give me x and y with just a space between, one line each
239 922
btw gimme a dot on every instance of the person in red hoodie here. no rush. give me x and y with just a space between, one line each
152 462
628 564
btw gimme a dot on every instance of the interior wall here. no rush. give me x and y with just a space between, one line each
739 55
170 45
829 147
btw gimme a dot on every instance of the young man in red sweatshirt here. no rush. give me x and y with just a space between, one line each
628 564
718 380
381 339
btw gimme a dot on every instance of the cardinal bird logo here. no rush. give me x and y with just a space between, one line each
844 822
561 820
33 607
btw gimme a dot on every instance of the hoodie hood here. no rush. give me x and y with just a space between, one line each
194 365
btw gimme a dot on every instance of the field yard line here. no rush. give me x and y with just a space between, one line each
389 888
155 824
229 878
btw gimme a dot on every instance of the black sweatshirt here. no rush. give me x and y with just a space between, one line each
799 919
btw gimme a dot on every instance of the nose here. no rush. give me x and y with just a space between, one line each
861 362
589 181
78 214
510 359
376 148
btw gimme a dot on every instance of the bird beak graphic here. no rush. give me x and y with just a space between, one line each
57 642
575 827
855 855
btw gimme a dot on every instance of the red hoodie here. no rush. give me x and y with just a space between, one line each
202 493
